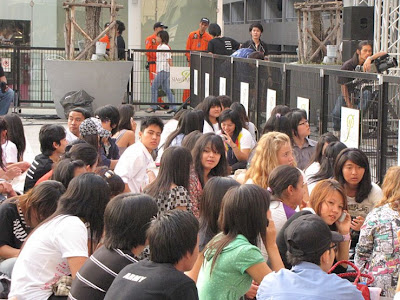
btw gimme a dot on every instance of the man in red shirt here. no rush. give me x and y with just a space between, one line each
197 41
151 44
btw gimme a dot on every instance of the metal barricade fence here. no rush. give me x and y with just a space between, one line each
379 119
139 87
26 73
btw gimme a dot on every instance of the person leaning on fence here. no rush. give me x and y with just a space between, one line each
311 250
6 94
255 42
361 61
164 62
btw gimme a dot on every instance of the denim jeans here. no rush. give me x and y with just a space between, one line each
161 80
7 265
5 101
337 110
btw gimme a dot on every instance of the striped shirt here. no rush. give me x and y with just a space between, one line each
99 271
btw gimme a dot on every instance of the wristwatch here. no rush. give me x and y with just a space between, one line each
369 57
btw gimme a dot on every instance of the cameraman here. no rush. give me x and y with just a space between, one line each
362 58
6 94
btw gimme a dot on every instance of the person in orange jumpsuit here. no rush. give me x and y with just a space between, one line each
151 44
197 41
106 38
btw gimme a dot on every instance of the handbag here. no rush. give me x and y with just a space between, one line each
363 288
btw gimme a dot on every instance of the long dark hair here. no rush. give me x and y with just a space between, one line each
280 123
210 202
188 122
244 211
41 201
64 170
281 178
86 197
327 137
16 134
126 112
174 169
239 108
206 105
233 116
217 145
328 162
359 158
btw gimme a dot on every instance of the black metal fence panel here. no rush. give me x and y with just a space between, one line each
379 110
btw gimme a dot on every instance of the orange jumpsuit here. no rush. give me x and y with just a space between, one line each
151 44
195 42
105 39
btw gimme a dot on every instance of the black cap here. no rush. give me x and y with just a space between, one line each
205 20
309 234
159 24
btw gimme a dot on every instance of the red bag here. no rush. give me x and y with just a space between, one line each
357 274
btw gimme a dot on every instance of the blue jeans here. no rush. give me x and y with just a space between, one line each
5 101
7 265
161 80
337 110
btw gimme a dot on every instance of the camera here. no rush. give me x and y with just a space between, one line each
3 87
385 62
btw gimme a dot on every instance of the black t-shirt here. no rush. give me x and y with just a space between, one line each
1 71
349 65
14 230
121 47
222 46
262 47
99 271
147 280
40 166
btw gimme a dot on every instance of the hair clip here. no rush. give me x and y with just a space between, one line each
109 174
269 190
278 115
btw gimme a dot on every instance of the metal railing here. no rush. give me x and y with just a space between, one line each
379 123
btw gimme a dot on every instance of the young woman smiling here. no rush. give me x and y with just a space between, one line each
238 140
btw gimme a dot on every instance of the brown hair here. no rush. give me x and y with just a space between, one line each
391 189
322 190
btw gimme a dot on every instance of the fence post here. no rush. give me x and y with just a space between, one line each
255 103
382 136
231 77
323 115
212 79
286 86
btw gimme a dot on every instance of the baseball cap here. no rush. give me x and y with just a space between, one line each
205 20
309 234
92 126
159 24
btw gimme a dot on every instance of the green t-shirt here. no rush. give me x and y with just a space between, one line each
229 279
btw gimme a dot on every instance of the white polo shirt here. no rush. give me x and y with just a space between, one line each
132 166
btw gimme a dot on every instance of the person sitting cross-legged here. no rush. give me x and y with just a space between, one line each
311 251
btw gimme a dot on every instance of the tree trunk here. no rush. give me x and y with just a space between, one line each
92 24
317 28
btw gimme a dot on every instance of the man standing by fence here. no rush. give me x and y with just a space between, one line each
197 41
6 94
151 44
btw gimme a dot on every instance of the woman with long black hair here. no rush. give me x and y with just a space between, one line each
59 245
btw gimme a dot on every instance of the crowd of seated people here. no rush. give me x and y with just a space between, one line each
198 207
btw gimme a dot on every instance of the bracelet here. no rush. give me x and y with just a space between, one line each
346 237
